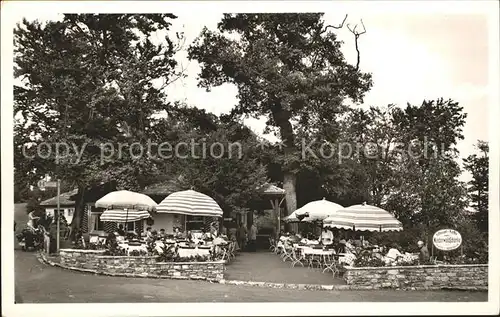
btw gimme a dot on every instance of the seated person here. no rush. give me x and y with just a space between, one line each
148 233
162 234
357 243
349 246
341 246
213 230
206 236
111 241
378 253
120 230
393 255
178 234
153 236
326 236
293 239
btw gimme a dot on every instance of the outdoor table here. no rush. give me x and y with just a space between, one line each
129 248
188 252
310 254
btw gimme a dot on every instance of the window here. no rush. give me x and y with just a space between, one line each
70 212
129 226
194 223
98 224
95 219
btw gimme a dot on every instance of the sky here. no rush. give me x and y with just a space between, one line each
412 57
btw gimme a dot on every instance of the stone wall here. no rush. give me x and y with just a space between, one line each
144 266
419 277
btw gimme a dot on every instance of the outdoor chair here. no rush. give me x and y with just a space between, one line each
287 254
225 256
232 250
296 257
272 244
331 264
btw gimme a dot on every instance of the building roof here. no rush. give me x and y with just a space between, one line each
64 199
164 188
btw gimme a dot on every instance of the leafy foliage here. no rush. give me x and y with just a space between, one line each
477 165
88 80
287 68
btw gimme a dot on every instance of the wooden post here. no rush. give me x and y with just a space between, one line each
432 250
58 213
277 212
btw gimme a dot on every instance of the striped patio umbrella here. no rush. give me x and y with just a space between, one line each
190 202
124 199
363 218
122 215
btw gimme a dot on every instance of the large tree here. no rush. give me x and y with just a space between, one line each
218 157
477 165
286 67
88 81
425 187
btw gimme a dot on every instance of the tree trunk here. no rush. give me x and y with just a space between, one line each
289 183
282 119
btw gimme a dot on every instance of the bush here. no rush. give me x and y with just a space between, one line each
365 258
138 253
406 239
368 262
171 254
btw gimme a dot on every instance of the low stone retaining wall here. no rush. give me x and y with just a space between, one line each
471 277
143 266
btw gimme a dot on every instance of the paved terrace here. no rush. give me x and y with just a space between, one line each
265 266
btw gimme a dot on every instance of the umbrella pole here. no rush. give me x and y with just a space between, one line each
126 221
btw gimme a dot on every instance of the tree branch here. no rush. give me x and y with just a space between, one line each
335 27
318 34
356 37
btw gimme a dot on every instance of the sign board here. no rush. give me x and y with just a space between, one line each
44 184
447 239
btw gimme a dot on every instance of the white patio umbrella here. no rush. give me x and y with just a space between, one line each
316 210
127 202
292 217
190 202
363 218
124 199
